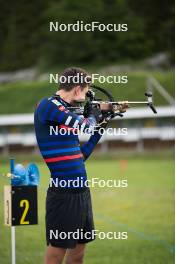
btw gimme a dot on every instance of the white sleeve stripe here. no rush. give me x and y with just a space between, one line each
75 124
56 102
68 120
91 128
83 126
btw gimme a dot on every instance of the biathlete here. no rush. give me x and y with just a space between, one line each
68 208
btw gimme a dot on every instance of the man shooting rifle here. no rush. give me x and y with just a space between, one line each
68 208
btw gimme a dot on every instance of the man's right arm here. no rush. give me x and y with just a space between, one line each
53 110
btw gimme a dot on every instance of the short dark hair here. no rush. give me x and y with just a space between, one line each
72 77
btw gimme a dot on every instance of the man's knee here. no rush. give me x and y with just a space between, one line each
54 255
53 259
75 257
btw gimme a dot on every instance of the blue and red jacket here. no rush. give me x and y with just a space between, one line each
62 152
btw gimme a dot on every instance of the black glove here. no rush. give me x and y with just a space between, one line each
90 110
87 109
98 114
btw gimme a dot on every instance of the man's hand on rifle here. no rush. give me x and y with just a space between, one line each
104 112
121 108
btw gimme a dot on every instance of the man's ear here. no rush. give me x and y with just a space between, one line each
77 90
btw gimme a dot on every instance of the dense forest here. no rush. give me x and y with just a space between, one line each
25 39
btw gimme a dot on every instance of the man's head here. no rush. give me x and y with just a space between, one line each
74 84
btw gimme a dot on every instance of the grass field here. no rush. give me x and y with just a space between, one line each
145 209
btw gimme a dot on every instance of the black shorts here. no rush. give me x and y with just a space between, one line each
69 217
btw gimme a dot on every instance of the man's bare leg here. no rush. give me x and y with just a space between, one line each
54 255
75 255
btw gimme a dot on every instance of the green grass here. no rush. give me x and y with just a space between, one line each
22 97
145 209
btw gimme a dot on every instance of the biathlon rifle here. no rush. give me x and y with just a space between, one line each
110 108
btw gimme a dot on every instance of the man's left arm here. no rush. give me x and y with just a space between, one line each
88 147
